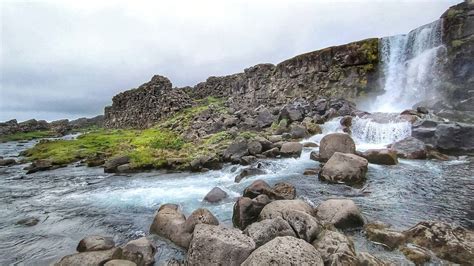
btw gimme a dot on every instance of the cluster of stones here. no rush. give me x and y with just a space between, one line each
272 226
60 127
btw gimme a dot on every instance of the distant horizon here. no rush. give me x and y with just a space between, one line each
74 59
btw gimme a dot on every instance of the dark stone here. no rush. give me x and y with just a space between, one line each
246 210
215 195
30 221
112 164
247 172
410 148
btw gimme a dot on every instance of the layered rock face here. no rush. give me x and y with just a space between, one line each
346 71
144 106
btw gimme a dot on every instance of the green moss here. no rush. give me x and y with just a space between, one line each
370 48
453 12
27 136
218 138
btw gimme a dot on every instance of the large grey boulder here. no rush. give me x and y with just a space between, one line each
285 250
266 230
447 137
217 245
291 149
95 243
366 259
141 251
236 151
248 172
344 168
335 248
335 142
92 258
276 208
410 148
279 191
342 213
449 242
170 223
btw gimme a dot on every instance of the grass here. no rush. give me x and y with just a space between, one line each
27 136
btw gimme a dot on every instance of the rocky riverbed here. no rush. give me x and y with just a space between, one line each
70 203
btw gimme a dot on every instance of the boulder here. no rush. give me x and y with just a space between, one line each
7 162
381 156
410 148
95 243
379 233
418 255
89 258
265 143
217 245
169 223
248 160
315 156
272 153
205 161
120 263
199 216
298 132
335 248
215 195
39 165
236 150
248 172
140 251
266 230
344 168
335 142
346 121
366 259
254 147
342 213
246 210
258 187
291 149
305 225
449 242
265 118
285 250
276 208
113 163
291 113
284 190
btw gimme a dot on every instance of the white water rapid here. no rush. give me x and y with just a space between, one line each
411 65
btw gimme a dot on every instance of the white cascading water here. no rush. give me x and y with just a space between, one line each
369 133
411 65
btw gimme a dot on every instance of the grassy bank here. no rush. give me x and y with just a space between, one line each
156 147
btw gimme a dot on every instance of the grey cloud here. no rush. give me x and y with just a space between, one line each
67 60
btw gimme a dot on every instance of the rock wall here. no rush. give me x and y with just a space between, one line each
346 71
458 36
144 106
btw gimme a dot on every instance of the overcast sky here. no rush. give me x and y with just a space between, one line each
66 59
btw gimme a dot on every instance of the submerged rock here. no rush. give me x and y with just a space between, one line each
381 156
344 168
285 250
417 255
366 259
383 234
342 213
7 162
29 221
452 243
248 172
215 195
95 243
217 245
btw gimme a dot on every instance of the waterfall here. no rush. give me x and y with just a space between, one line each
382 131
410 64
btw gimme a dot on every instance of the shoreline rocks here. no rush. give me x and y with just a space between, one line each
344 168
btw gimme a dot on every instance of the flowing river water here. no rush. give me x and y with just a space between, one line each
76 201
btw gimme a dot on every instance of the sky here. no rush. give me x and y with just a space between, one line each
67 59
